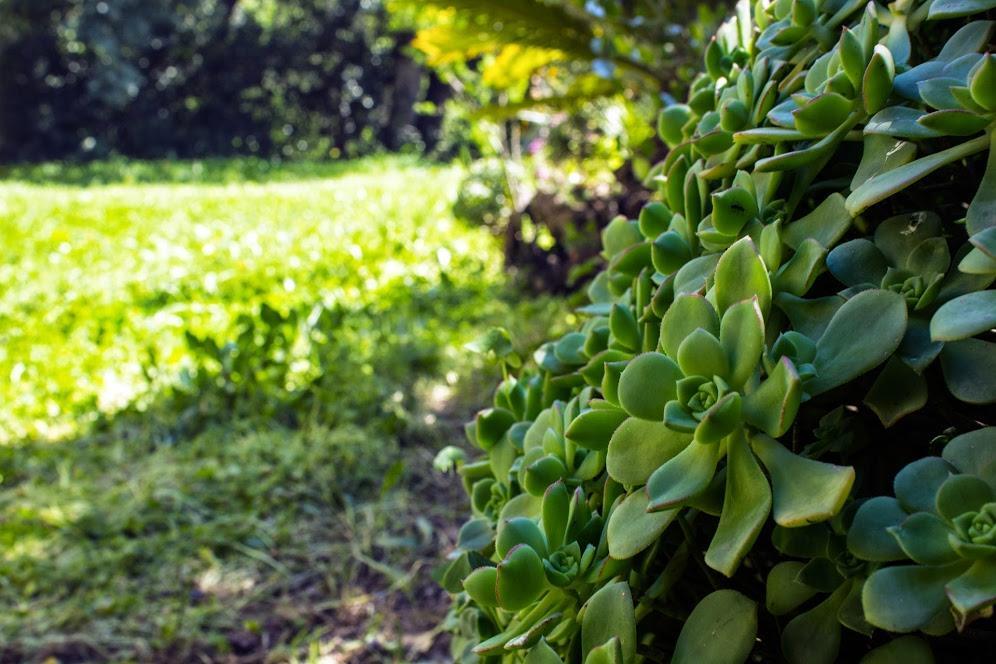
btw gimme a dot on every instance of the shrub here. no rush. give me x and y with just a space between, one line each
768 438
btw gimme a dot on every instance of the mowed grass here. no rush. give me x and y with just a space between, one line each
221 388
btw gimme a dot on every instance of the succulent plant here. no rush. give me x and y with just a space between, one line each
942 519
785 276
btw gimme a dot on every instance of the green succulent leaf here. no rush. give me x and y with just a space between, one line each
520 530
908 597
975 589
741 334
974 453
904 650
772 407
970 370
898 122
897 392
609 652
924 538
520 578
475 535
542 653
683 477
982 210
804 491
960 494
857 262
609 614
688 313
886 184
480 585
646 385
701 354
917 484
631 529
556 514
814 637
654 219
881 153
593 429
720 630
875 317
746 506
741 275
639 447
783 592
941 9
869 538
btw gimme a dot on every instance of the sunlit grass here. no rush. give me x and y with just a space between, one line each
94 280
142 522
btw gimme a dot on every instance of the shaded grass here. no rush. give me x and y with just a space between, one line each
159 505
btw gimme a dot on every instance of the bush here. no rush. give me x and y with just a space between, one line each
772 425
192 78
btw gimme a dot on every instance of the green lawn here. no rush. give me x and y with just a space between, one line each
221 387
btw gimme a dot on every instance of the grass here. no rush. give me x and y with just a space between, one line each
222 388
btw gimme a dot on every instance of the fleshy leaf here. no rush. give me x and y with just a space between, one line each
881 153
964 316
982 210
772 407
907 597
882 186
861 335
783 593
686 475
520 578
542 653
609 614
857 262
809 317
556 514
593 429
974 453
741 275
904 650
720 630
701 354
638 447
480 585
631 529
897 392
647 384
520 530
741 334
868 537
609 652
924 538
917 484
975 589
745 508
814 636
960 494
898 237
970 370
682 318
804 490
940 9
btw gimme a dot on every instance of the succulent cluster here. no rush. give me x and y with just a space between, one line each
658 475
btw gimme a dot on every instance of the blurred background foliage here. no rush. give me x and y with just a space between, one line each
554 96
191 78
549 97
